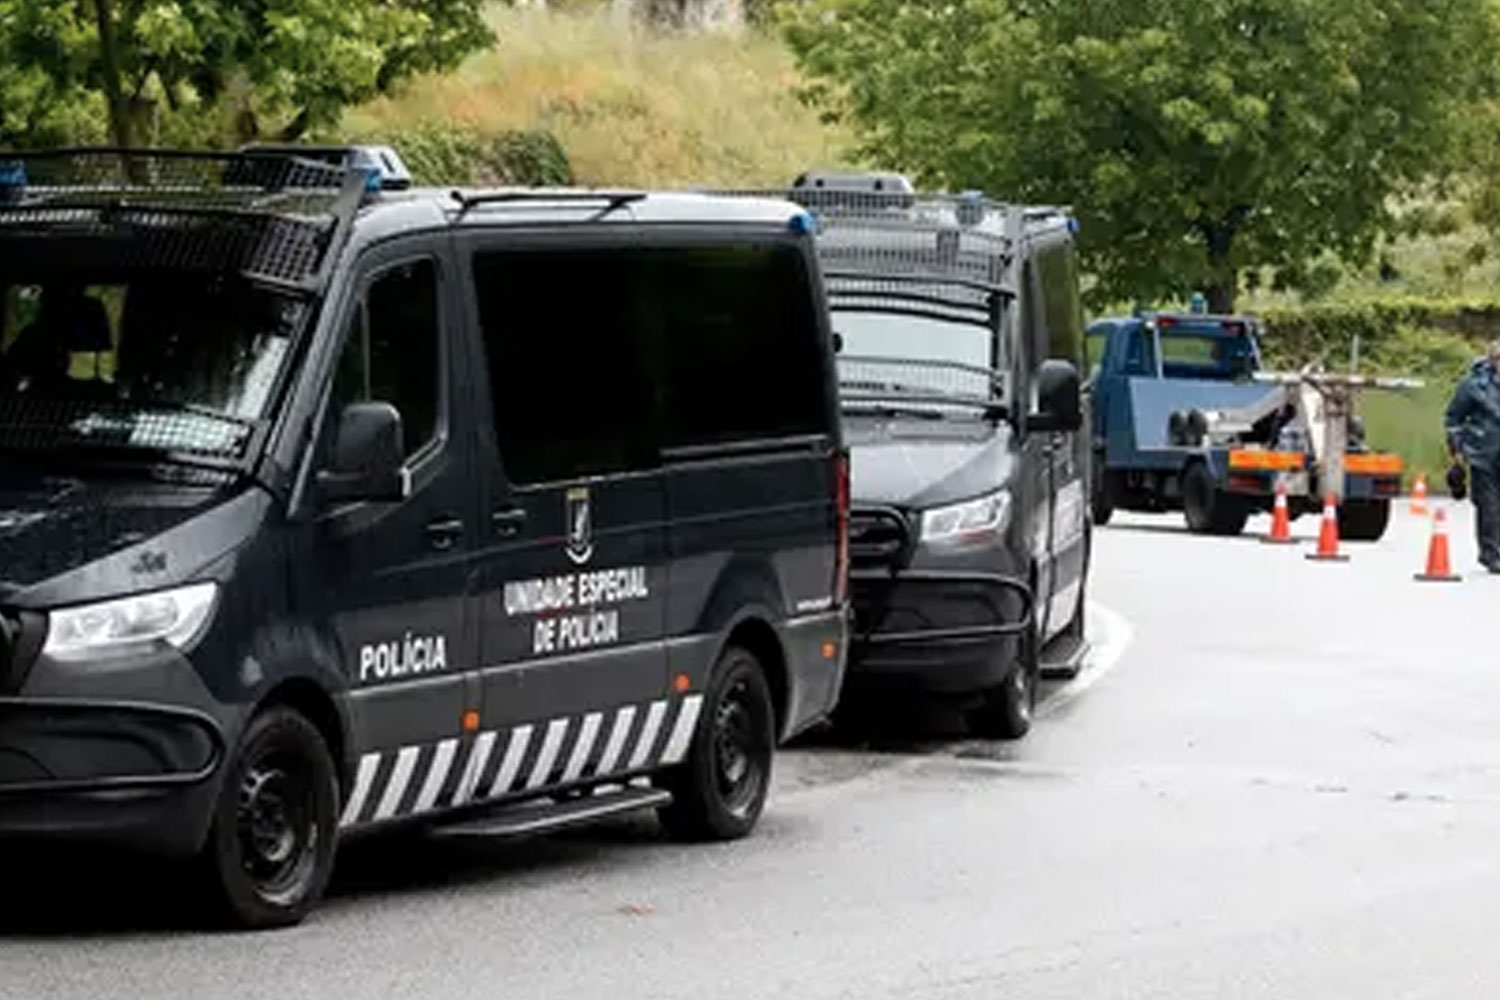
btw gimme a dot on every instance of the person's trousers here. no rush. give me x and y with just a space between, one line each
1484 490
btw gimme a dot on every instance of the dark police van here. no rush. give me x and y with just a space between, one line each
328 504
961 337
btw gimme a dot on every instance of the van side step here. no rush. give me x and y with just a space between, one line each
528 818
1063 659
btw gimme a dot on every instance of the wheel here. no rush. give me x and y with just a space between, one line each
1364 520
1102 502
270 848
719 792
1209 510
1007 709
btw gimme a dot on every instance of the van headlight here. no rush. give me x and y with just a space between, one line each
131 624
971 521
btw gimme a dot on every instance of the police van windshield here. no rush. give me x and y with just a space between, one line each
156 362
918 354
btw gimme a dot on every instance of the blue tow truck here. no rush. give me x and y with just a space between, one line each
1186 418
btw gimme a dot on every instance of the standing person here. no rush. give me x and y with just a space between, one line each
1473 430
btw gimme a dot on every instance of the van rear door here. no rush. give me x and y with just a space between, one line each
750 438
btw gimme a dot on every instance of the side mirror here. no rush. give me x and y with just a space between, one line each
1059 399
369 456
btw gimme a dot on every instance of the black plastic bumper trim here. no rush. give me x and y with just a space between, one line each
119 782
955 636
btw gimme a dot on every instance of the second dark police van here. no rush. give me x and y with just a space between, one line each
329 505
960 329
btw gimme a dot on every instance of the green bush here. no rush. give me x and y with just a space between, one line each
448 155
1296 335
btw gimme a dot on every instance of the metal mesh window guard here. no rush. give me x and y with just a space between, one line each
266 216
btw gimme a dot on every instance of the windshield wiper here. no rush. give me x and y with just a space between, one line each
889 411
908 398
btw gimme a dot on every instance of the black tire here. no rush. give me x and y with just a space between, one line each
718 793
1209 510
270 849
1364 520
1007 709
1102 501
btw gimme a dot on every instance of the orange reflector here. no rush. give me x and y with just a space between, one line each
1267 461
471 721
1374 465
830 650
681 683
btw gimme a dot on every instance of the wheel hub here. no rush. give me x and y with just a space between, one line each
737 767
274 825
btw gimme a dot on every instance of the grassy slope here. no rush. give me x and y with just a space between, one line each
629 107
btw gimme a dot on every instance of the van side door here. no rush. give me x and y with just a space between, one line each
573 583
389 581
1068 452
1035 478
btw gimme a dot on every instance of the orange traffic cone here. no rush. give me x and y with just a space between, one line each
1419 496
1281 522
1438 567
1328 534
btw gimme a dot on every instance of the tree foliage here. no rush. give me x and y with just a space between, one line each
1194 138
69 67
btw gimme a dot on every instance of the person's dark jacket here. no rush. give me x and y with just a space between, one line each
1473 419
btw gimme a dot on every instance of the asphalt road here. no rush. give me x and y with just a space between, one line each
1277 779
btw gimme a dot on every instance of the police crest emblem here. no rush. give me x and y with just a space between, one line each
580 518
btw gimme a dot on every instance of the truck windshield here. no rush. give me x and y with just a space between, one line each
1202 355
154 362
917 354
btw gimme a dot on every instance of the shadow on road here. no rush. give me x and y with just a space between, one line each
54 892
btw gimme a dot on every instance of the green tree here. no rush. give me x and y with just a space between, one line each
277 66
1194 138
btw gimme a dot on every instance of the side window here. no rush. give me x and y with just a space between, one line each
1059 272
1094 346
565 337
392 352
1140 358
741 355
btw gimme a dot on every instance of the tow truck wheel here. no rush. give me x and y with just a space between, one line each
270 849
1102 500
1364 520
1007 709
719 792
1209 510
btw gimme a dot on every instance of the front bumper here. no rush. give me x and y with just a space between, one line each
938 631
125 772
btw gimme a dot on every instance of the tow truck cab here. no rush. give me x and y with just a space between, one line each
1185 417
960 333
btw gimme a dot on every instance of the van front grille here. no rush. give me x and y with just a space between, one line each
878 537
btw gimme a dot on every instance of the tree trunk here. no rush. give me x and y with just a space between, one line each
1222 292
109 67
1224 277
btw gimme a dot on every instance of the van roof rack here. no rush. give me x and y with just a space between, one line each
613 201
271 216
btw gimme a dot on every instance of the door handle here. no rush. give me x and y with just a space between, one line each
444 534
508 522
